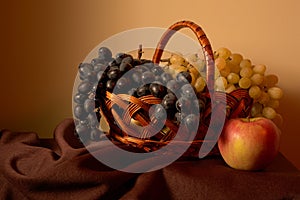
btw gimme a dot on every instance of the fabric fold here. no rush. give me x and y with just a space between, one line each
62 168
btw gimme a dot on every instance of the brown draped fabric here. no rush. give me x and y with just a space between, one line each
61 168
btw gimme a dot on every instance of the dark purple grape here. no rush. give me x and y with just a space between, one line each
104 53
112 63
113 74
82 77
84 87
123 83
84 69
149 65
191 122
80 112
170 95
183 104
82 131
95 134
169 102
110 84
93 121
143 90
173 85
184 77
99 67
128 60
91 76
157 90
137 77
159 112
97 61
188 91
136 62
89 105
80 98
141 68
120 56
166 77
157 70
124 67
148 77
113 67
158 79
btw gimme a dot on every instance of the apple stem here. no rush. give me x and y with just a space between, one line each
249 116
247 119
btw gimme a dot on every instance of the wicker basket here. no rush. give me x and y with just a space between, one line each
236 104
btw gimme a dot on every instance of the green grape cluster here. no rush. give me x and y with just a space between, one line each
235 71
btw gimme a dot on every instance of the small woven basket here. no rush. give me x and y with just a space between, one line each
236 104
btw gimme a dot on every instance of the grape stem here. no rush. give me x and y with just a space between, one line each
165 60
140 52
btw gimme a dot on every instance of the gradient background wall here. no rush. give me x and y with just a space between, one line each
42 43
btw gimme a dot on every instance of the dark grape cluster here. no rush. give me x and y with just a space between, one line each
85 109
124 74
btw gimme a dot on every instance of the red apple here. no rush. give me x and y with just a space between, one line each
249 144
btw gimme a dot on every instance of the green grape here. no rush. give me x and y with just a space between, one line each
256 109
273 103
220 63
264 98
221 83
245 63
200 84
223 53
244 82
246 72
194 73
260 69
270 80
255 92
269 112
257 79
234 68
275 92
230 88
177 59
180 69
225 72
235 59
233 78
174 66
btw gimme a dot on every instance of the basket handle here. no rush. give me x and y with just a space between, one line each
204 42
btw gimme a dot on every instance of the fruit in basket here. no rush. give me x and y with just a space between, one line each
123 74
148 103
263 88
249 143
